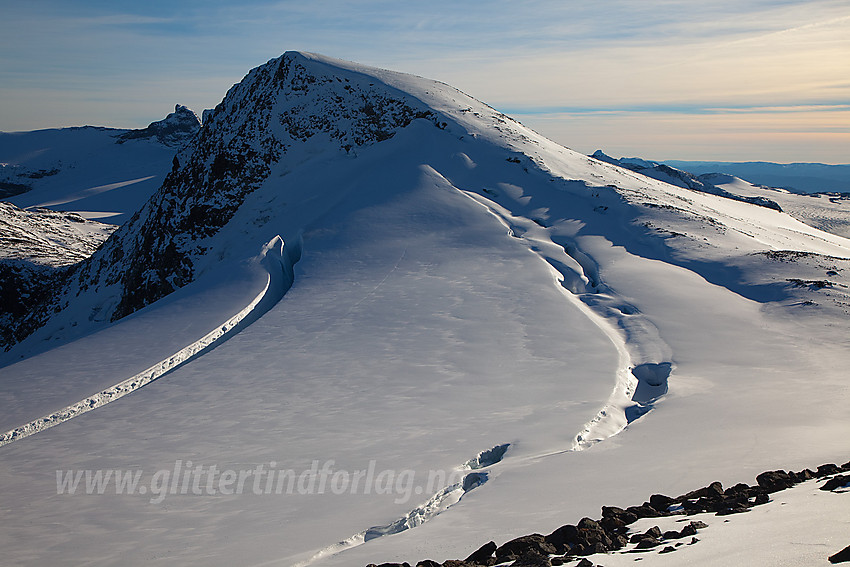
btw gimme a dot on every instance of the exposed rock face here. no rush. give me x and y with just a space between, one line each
174 130
264 122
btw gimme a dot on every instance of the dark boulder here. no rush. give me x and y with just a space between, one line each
691 529
687 531
660 502
804 475
842 556
647 542
623 515
774 481
522 545
483 555
711 491
592 549
644 511
427 563
733 509
762 499
563 538
826 470
739 490
653 532
618 541
532 558
613 525
836 482
593 536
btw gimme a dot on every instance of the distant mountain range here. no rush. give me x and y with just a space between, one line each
798 177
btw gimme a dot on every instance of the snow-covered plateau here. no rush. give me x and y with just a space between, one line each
376 320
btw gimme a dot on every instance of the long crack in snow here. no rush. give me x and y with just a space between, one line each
278 260
644 358
441 501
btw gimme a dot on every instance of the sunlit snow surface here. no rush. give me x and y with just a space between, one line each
458 289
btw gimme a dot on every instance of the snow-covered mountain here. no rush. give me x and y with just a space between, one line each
795 177
374 279
96 172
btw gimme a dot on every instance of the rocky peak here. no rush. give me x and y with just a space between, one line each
291 107
174 130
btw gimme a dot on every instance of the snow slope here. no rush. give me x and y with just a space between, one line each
827 211
800 526
464 284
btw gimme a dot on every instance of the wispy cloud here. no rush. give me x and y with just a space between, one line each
121 20
544 57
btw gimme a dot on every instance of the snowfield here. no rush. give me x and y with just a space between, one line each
475 334
96 172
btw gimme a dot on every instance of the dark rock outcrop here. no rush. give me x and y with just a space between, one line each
483 555
608 534
836 482
174 130
774 481
523 545
842 556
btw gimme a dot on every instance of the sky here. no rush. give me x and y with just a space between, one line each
716 80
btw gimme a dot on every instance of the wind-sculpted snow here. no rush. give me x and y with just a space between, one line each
641 378
278 260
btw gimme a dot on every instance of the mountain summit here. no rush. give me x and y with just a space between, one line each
173 130
301 112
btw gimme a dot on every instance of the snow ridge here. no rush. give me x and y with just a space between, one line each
278 260
644 366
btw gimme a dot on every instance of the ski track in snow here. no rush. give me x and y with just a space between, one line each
644 358
278 260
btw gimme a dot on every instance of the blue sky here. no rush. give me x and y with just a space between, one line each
662 79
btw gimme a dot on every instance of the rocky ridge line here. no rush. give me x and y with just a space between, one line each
611 532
